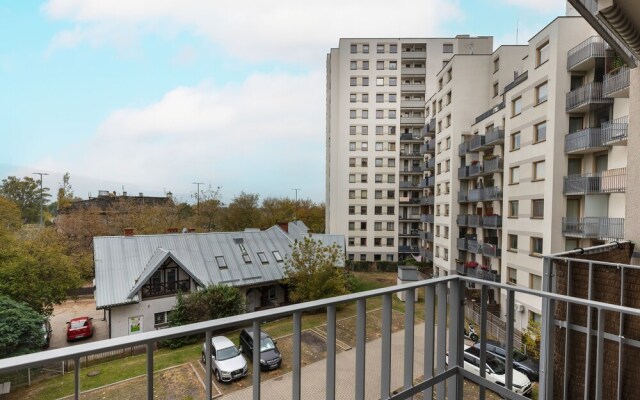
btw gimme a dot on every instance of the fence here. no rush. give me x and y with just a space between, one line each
495 326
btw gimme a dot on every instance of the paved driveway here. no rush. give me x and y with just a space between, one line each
314 375
79 308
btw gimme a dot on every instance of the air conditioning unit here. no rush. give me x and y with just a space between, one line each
518 308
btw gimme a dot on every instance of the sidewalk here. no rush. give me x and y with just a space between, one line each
314 375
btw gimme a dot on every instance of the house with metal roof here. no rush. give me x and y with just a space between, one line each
138 276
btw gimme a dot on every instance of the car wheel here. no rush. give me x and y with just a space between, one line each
218 376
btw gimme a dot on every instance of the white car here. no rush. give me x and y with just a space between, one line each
227 362
495 371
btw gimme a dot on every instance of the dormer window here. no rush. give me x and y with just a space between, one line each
245 255
222 264
263 258
277 256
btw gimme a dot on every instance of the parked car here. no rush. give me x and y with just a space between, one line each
495 371
227 361
521 361
79 328
270 357
46 331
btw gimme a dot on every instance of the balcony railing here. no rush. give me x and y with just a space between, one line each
430 164
476 143
408 249
485 194
415 87
411 136
584 141
461 244
475 169
432 352
426 236
413 71
463 148
594 227
474 220
479 273
492 222
430 146
427 254
494 136
429 218
165 288
610 181
463 172
409 185
590 49
462 220
413 168
490 112
586 95
413 121
493 165
518 80
414 55
617 84
473 246
491 250
616 131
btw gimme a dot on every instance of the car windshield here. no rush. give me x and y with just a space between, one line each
229 352
267 344
518 356
78 324
496 365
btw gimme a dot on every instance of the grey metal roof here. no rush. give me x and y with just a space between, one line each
124 263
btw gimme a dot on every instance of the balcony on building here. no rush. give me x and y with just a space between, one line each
579 100
413 71
475 169
477 272
616 83
588 140
409 217
583 57
462 220
413 87
412 104
473 246
408 200
609 181
430 146
492 222
491 250
493 109
411 136
414 54
412 169
463 172
409 233
430 164
412 121
411 154
428 182
476 143
594 228
492 165
426 235
462 244
494 136
165 288
463 148
429 218
427 200
408 249
430 128
615 132
425 356
484 194
474 220
409 185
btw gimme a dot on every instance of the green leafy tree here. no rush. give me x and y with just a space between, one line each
26 194
312 273
212 302
243 212
37 268
10 216
65 193
208 212
531 339
20 328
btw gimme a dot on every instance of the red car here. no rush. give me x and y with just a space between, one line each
79 328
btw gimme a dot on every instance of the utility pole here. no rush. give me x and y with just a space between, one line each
295 212
41 199
198 196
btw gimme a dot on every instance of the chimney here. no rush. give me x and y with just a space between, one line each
128 231
191 230
284 226
173 230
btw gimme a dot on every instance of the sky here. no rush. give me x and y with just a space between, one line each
153 95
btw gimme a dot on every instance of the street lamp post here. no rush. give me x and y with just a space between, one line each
198 196
41 197
295 212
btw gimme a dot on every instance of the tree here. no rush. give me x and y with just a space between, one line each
20 328
212 302
26 194
208 211
10 216
37 269
531 339
312 273
242 212
65 193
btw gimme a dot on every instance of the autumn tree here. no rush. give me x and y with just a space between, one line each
26 194
20 328
10 216
243 212
65 193
312 273
208 211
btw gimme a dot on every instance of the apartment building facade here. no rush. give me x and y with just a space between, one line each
376 91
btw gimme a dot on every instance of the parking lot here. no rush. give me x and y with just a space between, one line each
78 308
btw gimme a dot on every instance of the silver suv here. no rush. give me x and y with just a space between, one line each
227 362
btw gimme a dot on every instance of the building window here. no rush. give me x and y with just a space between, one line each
393 48
542 92
393 65
380 65
392 97
352 178
363 210
391 194
391 162
379 114
378 193
516 106
380 48
513 242
352 210
536 246
363 194
391 210
512 276
363 257
378 178
392 114
496 64
542 54
365 114
377 242
161 319
447 48
513 208
245 255
393 81
379 81
363 226
363 178
353 81
379 97
364 162
392 146
538 171
540 132
222 264
365 65
365 81
390 226
353 65
377 226
496 90
352 226
363 242
378 162
537 208
379 130
535 282
354 48
391 178
365 48
377 210
390 244
365 98
514 175
352 98
515 141
352 114
352 194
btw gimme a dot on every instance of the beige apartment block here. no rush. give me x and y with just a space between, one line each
376 92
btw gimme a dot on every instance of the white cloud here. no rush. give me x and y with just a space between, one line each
292 30
263 135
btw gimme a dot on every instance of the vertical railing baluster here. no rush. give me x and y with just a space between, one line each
297 328
207 364
587 369
509 340
256 359
331 353
547 333
621 333
76 378
385 378
567 337
409 309
429 336
456 340
484 300
599 354
441 337
149 371
361 343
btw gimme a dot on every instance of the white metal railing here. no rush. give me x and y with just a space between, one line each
594 227
588 138
609 181
616 130
591 93
617 81
590 48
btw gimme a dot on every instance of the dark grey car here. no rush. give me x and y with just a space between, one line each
521 362
270 357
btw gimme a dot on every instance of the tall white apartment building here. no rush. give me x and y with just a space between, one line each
534 142
376 92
